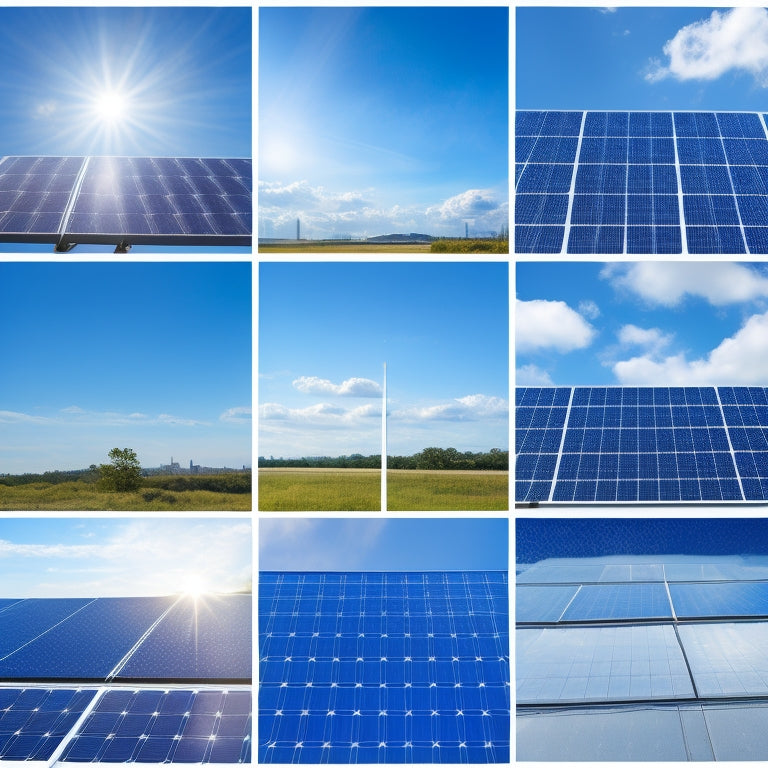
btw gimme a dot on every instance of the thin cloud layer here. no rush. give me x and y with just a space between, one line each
735 39
741 359
542 324
469 408
359 214
531 375
668 283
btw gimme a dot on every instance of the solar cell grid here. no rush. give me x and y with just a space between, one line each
429 672
66 200
722 160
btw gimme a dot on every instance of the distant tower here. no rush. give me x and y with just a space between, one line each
298 229
190 464
466 230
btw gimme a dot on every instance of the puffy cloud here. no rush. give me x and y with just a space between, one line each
542 324
532 376
467 205
354 387
653 339
319 414
705 50
667 283
741 359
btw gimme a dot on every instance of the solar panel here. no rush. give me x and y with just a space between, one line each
125 200
387 667
620 444
195 641
600 602
542 604
641 182
34 721
599 663
156 726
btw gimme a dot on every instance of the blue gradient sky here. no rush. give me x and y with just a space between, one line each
325 331
382 544
123 557
615 58
152 356
380 120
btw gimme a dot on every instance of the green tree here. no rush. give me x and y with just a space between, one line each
123 474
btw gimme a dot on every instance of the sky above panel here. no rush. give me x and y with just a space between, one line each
642 324
382 120
125 81
382 544
154 357
325 331
123 557
651 58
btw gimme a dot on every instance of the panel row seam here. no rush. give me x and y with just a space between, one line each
572 190
733 189
730 444
683 233
562 444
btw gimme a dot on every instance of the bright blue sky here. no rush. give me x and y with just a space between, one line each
382 544
118 557
380 120
642 323
325 331
151 356
641 58
125 81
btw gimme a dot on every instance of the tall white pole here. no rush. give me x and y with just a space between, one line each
384 444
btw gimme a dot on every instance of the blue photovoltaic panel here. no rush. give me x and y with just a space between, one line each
599 663
542 604
88 644
203 638
720 599
602 602
642 444
156 726
628 159
126 200
383 667
33 721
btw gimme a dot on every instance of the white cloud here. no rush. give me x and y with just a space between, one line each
469 408
667 283
705 50
542 324
354 387
589 309
238 415
319 414
324 213
740 359
532 376
653 339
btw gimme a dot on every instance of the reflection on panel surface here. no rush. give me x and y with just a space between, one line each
601 663
619 601
724 599
728 659
545 604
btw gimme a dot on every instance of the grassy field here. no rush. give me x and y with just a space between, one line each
81 496
308 246
332 490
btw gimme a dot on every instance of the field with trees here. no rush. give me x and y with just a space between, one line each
434 479
119 486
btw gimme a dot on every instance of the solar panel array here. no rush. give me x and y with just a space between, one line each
651 444
126 679
639 658
125 200
383 667
641 182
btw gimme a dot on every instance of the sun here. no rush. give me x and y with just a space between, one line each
110 106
